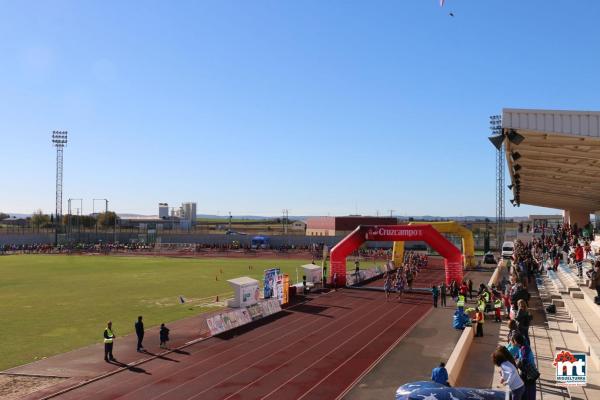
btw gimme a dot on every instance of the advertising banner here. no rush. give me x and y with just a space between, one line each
270 282
249 295
286 289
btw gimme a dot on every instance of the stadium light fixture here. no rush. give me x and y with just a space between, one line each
514 137
499 135
515 155
510 186
517 167
497 140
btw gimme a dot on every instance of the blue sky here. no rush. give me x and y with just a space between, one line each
320 107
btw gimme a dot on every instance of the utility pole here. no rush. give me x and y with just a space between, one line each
230 221
59 139
284 220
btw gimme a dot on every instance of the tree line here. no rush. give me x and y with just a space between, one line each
39 220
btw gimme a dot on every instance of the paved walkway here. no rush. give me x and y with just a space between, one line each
430 342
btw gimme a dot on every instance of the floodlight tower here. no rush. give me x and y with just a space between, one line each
496 128
59 139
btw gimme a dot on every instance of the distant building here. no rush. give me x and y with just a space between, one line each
539 222
298 226
188 212
339 226
163 210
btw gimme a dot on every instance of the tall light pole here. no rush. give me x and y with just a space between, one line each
496 128
59 140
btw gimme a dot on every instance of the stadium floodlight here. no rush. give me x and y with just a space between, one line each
514 137
515 155
499 135
517 167
59 140
510 186
496 139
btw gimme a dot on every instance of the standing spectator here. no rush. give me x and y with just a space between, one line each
523 318
164 336
139 331
479 320
460 303
440 374
594 276
109 337
579 260
526 363
435 291
470 286
443 293
498 308
508 371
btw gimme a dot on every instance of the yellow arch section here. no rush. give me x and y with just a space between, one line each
468 243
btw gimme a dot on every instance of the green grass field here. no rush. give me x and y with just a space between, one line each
52 304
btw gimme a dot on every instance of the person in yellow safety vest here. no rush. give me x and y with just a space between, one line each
481 303
109 337
460 302
479 319
486 296
497 308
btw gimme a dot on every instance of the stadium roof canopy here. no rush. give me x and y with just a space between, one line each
554 157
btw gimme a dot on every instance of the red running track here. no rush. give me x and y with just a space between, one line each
316 350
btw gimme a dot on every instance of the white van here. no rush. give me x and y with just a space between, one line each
508 248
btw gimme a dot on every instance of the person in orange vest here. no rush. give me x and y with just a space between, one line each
479 319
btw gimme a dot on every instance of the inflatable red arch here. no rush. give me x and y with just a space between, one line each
396 233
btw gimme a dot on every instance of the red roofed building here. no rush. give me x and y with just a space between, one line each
339 226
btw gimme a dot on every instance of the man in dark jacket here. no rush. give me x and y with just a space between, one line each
139 331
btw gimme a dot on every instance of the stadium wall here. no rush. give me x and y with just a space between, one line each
276 241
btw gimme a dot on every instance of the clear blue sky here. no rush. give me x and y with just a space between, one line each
321 107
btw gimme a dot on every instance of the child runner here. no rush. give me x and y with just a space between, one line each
164 336
387 286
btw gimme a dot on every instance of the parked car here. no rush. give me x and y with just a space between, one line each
488 258
508 248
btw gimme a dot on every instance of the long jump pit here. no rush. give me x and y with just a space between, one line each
317 349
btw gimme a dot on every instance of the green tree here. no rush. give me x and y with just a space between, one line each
3 216
39 219
107 219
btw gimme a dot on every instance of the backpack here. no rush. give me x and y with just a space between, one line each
593 280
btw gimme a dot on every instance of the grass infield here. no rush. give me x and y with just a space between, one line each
51 304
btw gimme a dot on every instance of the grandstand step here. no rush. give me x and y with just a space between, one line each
587 325
577 295
558 302
563 338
